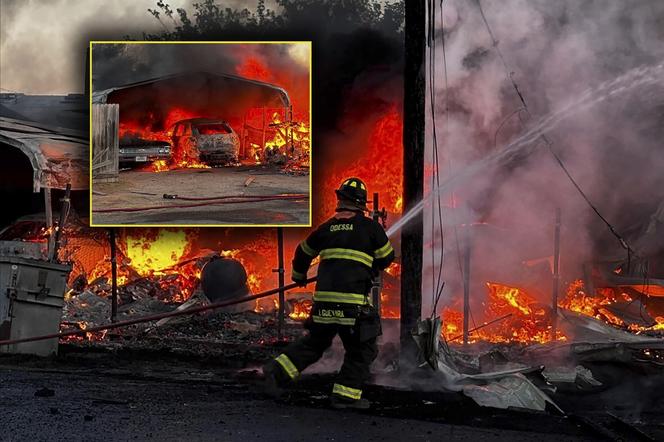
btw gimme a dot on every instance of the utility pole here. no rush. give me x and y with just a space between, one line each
413 172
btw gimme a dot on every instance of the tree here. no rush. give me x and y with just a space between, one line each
211 19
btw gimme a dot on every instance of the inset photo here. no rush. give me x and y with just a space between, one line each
200 133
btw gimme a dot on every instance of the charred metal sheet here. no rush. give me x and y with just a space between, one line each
23 249
632 313
219 87
514 391
590 330
455 380
58 156
427 338
579 376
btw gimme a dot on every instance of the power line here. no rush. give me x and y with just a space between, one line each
436 281
510 76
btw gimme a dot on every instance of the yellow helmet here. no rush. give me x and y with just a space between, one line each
353 189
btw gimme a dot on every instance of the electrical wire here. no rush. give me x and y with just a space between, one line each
438 284
437 280
548 143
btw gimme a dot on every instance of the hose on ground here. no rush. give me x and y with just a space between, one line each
208 202
228 197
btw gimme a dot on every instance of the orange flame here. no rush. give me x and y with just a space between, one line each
381 165
529 322
301 309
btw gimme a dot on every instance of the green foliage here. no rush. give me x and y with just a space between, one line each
211 18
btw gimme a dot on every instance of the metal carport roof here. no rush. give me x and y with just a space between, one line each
58 156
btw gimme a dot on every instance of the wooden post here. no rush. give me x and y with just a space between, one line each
264 128
466 280
114 275
413 173
64 212
243 138
105 142
556 276
290 148
48 210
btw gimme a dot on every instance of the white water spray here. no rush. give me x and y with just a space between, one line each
525 144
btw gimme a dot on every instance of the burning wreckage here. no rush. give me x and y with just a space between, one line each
97 288
139 289
183 125
608 315
200 120
505 362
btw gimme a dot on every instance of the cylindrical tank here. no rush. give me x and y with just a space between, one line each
224 279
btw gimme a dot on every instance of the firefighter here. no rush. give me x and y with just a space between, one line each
352 249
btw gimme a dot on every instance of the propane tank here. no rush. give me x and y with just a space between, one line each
224 279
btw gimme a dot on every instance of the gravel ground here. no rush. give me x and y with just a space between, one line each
137 188
61 405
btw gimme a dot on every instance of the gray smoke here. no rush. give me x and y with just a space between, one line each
43 43
554 51
119 64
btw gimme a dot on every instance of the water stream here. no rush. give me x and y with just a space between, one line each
526 142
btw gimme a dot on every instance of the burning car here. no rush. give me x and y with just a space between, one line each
136 150
208 140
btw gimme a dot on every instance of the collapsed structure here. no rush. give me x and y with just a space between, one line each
260 113
37 160
512 358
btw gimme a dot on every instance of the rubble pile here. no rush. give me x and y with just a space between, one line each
209 333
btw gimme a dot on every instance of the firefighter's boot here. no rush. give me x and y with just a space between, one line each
272 383
341 403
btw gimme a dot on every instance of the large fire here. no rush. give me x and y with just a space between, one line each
156 130
161 255
157 251
165 255
295 81
289 145
519 317
168 258
510 313
267 136
381 165
288 142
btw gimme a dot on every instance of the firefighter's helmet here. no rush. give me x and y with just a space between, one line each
353 189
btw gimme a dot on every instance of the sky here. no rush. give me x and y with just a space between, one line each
43 42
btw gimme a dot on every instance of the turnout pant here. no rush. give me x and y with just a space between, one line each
360 351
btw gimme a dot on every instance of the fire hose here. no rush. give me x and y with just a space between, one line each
157 316
236 199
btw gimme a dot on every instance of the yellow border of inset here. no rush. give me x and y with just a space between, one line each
311 139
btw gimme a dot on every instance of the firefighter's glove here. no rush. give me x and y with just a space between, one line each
301 282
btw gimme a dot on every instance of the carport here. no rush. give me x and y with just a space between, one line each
40 159
242 102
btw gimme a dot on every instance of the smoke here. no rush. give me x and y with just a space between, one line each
119 64
554 51
43 43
